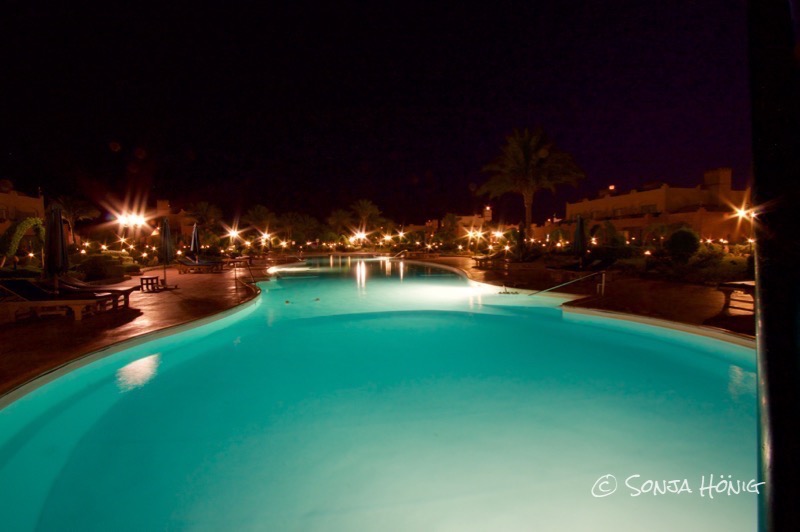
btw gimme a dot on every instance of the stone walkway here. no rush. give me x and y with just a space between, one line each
33 346
684 303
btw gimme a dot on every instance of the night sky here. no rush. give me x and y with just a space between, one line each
303 107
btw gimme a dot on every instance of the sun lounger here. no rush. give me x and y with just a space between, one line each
746 295
202 266
119 294
490 261
23 296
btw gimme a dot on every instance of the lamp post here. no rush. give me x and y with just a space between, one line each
749 215
232 234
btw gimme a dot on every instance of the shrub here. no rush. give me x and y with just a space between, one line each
681 245
97 267
708 255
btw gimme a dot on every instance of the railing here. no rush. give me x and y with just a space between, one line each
601 288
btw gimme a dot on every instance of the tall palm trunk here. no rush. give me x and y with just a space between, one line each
527 200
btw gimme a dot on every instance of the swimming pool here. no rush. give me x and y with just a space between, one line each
379 395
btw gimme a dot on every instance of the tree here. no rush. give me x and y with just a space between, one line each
76 209
10 240
340 220
448 231
682 244
299 227
367 213
529 162
260 217
206 214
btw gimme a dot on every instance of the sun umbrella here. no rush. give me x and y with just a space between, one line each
166 252
194 247
579 242
56 260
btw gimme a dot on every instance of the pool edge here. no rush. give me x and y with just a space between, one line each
52 374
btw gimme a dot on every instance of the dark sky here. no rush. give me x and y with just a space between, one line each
308 107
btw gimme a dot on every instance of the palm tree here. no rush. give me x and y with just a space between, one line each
206 214
340 220
76 209
366 211
529 163
300 227
260 217
208 217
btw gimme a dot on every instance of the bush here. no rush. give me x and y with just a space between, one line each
682 244
708 255
97 267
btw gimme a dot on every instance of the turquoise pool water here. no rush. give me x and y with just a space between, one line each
370 395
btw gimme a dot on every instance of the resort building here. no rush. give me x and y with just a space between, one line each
180 223
15 206
712 209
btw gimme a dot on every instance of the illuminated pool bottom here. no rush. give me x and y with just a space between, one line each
459 410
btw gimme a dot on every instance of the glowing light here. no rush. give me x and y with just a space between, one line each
284 243
179 252
751 240
507 248
361 235
30 255
138 373
647 253
144 255
233 233
387 238
83 252
498 234
104 247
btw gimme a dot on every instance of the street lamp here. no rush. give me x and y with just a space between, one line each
232 234
748 214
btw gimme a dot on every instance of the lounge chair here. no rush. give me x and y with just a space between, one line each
745 292
201 266
489 261
70 285
21 295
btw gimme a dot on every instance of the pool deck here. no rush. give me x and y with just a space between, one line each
30 347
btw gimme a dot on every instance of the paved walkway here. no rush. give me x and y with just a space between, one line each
685 303
31 347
